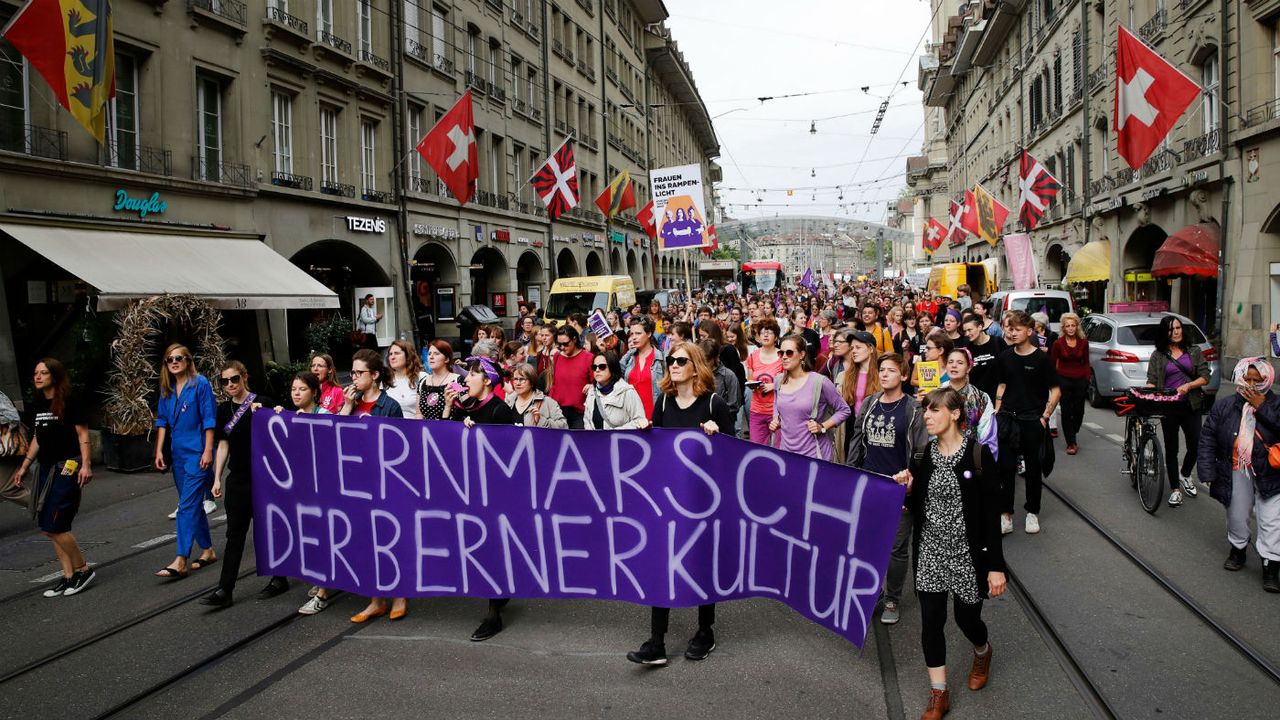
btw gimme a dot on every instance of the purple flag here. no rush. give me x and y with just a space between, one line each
674 518
807 280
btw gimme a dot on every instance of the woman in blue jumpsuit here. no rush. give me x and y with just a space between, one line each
186 414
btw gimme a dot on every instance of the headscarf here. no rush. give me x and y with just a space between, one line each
1248 423
488 368
954 314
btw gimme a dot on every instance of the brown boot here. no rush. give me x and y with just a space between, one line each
981 669
939 705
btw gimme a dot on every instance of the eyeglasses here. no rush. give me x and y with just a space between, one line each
680 360
600 366
175 359
788 353
233 380
357 373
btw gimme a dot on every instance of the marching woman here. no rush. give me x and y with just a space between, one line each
644 364
1070 353
546 352
763 368
1234 445
808 405
330 397
478 405
688 400
530 404
186 417
404 376
954 501
1179 365
439 375
612 404
60 446
979 410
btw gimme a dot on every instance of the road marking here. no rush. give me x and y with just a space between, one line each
1115 438
158 540
52 576
1093 426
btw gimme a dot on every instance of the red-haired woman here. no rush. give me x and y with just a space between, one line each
439 376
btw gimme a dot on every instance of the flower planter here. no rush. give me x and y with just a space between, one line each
128 453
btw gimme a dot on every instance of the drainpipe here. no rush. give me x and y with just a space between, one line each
400 175
1220 289
549 111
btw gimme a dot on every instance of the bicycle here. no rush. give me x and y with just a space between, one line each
1143 451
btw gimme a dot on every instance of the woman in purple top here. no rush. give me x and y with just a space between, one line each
808 405
1180 366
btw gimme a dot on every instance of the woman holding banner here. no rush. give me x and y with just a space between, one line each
530 404
477 404
688 400
808 405
954 498
612 404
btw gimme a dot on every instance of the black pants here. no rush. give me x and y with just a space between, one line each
1073 397
573 417
1180 416
239 507
933 621
1031 435
658 620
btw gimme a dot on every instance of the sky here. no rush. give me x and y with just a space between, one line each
740 50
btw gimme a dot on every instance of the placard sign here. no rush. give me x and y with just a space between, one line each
407 508
679 207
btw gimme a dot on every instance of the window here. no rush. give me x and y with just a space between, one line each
368 149
533 88
122 120
497 180
1275 56
1099 332
473 43
281 5
209 129
282 131
1209 78
13 99
412 27
437 34
328 145
415 134
364 27
324 17
495 63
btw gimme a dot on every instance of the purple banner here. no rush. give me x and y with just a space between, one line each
405 508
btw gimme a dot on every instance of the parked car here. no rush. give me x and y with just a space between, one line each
1120 344
1052 302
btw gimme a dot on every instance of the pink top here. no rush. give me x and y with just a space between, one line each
331 397
762 403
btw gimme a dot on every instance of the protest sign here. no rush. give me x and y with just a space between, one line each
930 375
674 518
679 208
597 324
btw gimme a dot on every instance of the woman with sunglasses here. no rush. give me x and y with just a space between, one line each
330 398
808 405
612 404
186 417
688 400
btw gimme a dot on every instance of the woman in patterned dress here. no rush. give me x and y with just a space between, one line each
954 498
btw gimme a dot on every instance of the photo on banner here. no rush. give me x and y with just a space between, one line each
679 208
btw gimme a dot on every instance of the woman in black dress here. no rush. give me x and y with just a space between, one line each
476 404
688 400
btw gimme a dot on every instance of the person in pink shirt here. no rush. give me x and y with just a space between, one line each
570 375
330 399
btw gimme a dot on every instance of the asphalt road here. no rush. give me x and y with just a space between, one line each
137 646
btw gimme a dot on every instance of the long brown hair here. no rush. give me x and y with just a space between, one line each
61 385
849 383
167 381
412 361
704 380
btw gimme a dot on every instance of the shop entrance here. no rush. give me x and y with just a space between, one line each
341 267
566 264
594 264
530 278
434 276
488 278
1139 252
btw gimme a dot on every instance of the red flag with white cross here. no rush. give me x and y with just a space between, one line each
450 149
934 233
1151 95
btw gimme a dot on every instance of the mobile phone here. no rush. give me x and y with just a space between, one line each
456 387
752 384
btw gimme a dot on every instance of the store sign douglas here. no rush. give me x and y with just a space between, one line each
143 206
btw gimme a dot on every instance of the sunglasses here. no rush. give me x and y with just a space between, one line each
788 353
599 366
233 380
176 359
563 344
680 360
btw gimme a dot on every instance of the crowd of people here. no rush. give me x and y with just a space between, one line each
948 397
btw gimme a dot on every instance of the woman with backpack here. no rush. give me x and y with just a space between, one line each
808 405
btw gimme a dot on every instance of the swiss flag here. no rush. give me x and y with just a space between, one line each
715 242
450 149
645 216
968 215
1151 95
934 233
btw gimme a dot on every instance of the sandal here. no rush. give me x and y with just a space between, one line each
199 563
171 573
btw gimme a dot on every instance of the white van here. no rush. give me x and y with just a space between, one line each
1051 302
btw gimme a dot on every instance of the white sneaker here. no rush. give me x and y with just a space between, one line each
210 507
1189 486
174 515
1006 524
1175 498
313 606
1033 524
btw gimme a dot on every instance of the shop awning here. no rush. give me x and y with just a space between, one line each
762 265
229 273
1091 263
1190 252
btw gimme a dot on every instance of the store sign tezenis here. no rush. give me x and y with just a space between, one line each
366 224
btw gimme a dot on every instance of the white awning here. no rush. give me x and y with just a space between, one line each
229 273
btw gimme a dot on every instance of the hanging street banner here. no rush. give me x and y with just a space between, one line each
679 208
672 518
1022 261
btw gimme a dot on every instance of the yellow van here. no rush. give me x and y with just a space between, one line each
584 294
981 277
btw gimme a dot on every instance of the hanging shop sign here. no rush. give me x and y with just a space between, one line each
479 231
503 236
439 231
498 304
538 243
143 206
617 237
366 224
644 243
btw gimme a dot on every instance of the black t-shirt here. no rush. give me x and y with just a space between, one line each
493 412
1027 380
885 434
240 458
56 435
667 413
983 373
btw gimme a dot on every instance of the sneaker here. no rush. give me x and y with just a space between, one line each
1175 498
174 515
890 615
59 588
314 605
80 581
312 592
210 507
1006 524
1072 448
650 653
1032 525
700 645
1189 486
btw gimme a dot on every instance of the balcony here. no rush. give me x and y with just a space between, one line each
475 82
1204 146
34 140
497 92
537 114
1152 30
1124 176
588 141
337 189
561 127
589 6
557 47
1162 160
375 61
329 40
486 198
378 196
534 30
153 161
611 74
289 180
568 55
293 23
1266 112
230 16
226 173
1098 78
611 7
517 18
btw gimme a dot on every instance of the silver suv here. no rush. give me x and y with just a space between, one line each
1120 345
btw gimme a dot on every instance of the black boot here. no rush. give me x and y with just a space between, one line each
1235 560
1271 576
